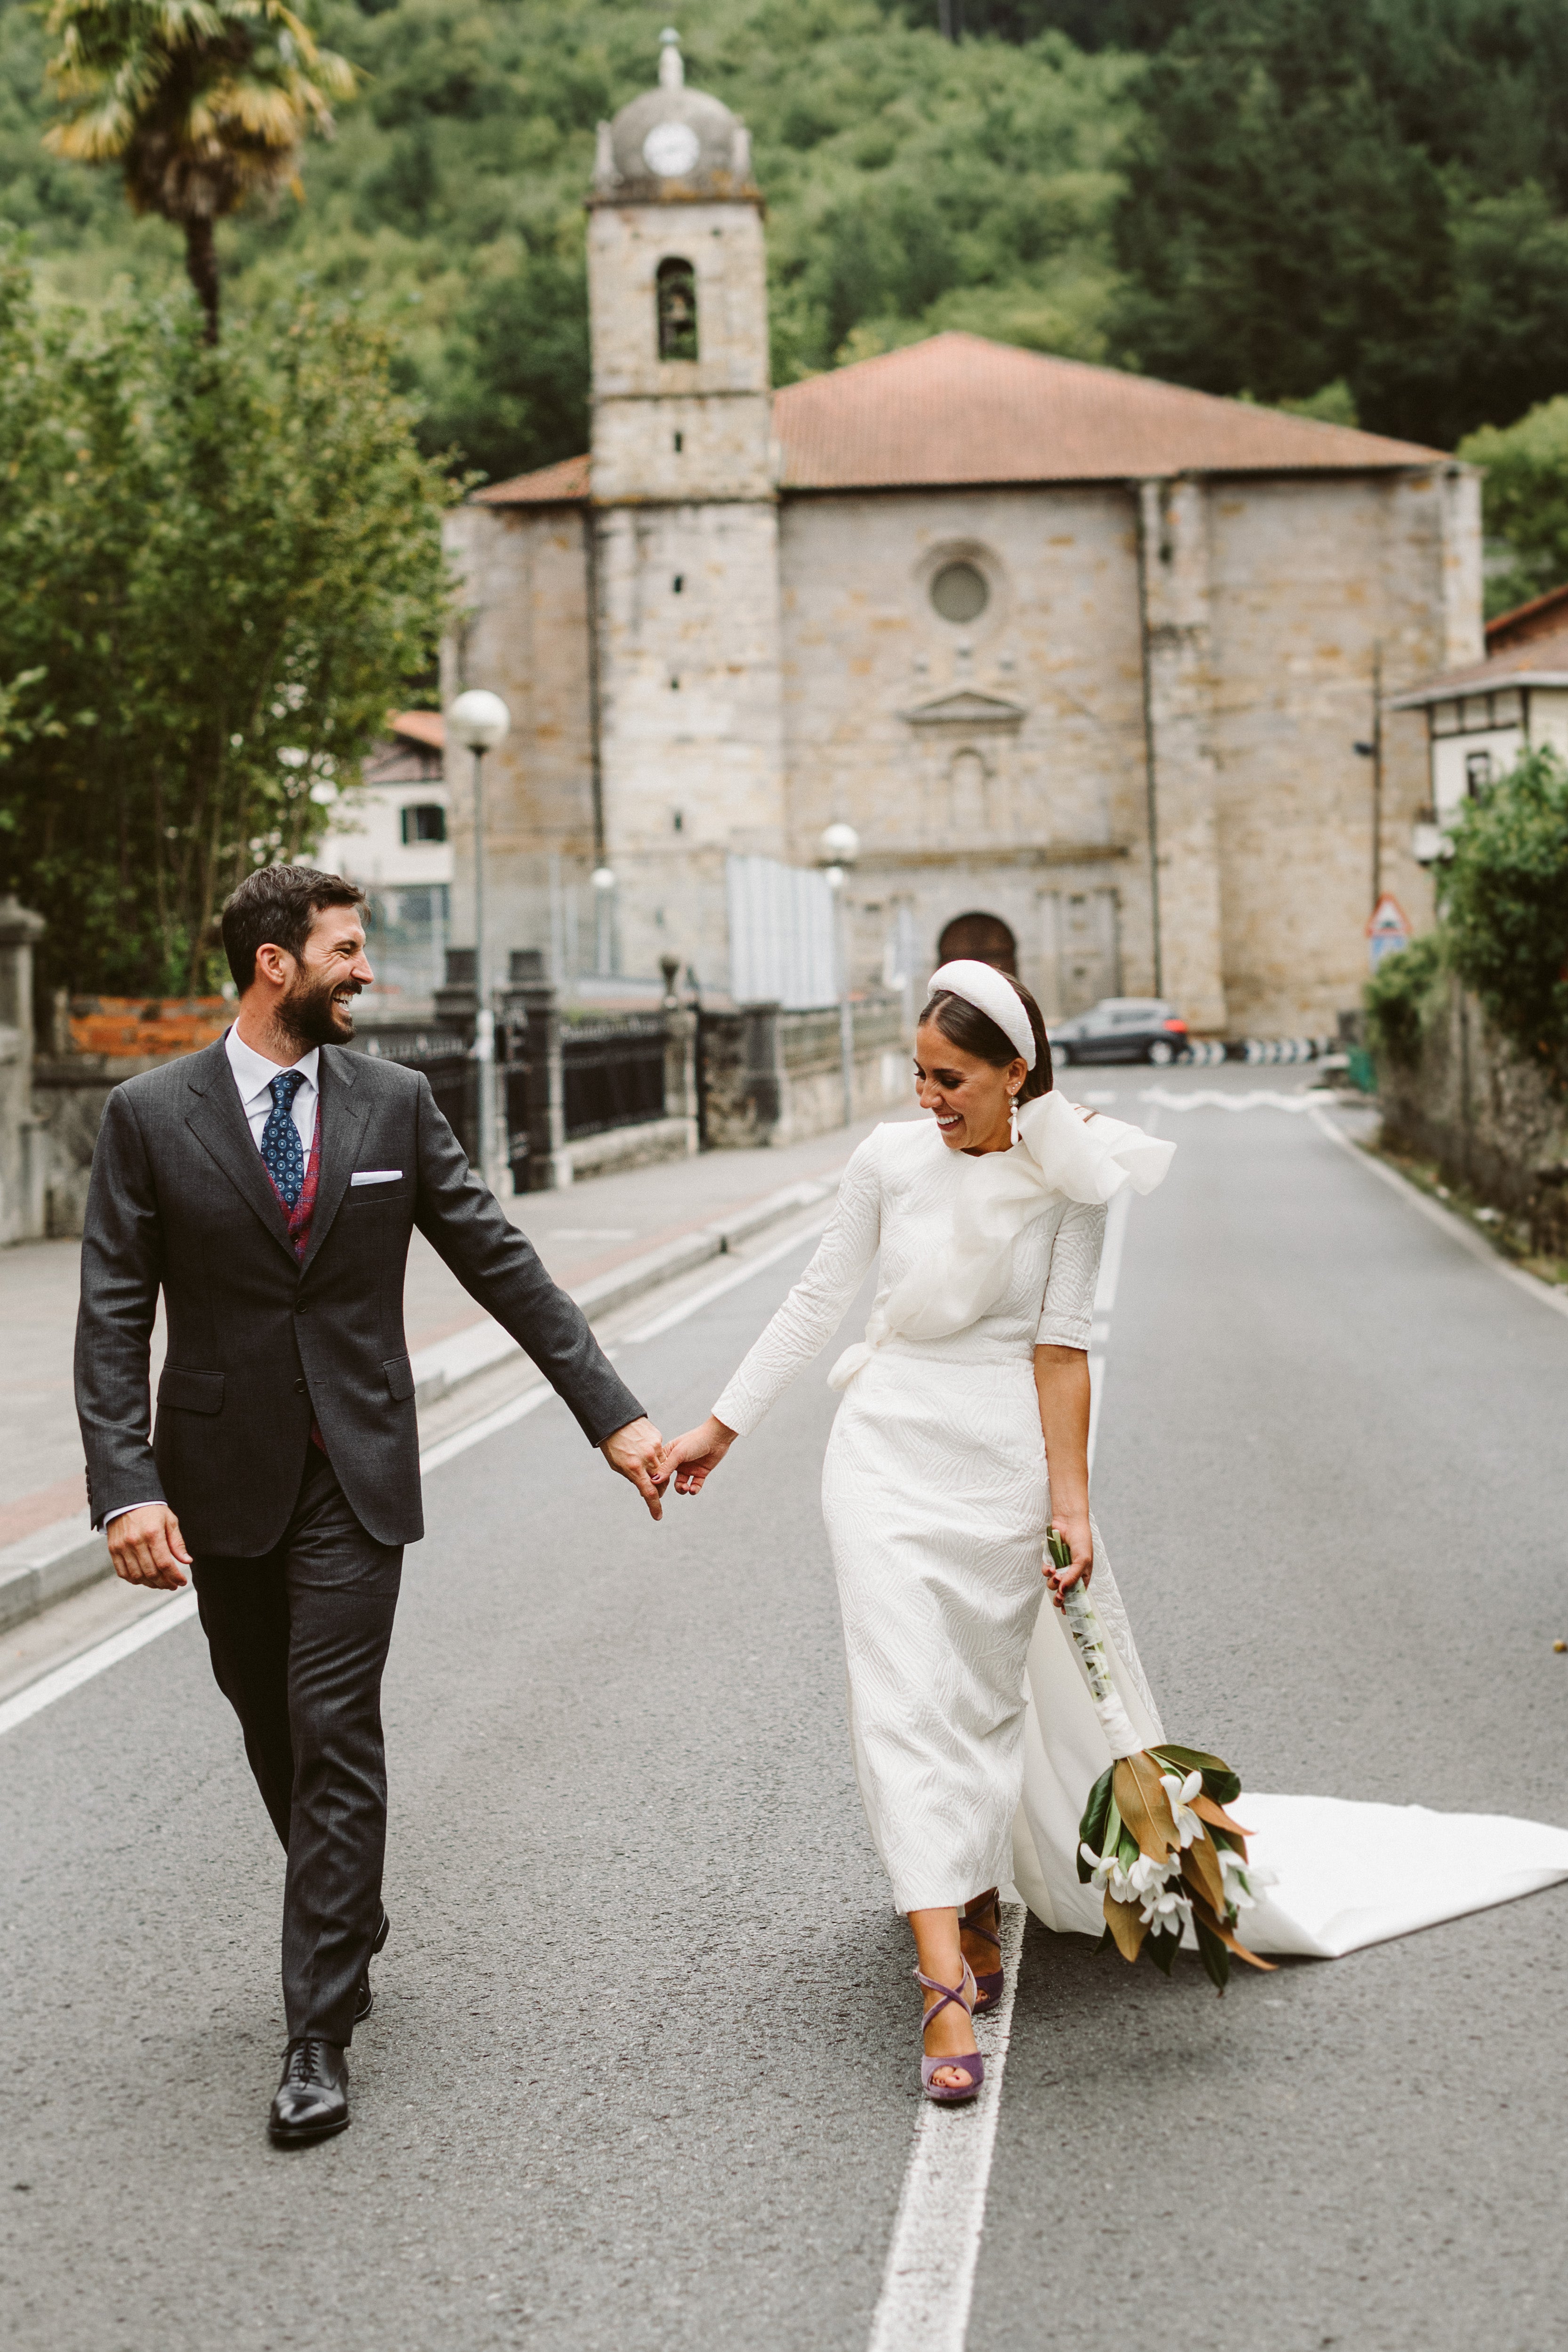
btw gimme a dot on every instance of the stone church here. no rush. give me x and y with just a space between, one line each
1083 658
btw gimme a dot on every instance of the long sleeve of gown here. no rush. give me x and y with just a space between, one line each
1068 1314
819 1301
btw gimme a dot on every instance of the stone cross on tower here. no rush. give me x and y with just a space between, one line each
685 515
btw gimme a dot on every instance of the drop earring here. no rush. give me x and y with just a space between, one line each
1013 1113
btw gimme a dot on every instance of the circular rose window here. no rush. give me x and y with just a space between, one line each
670 150
959 593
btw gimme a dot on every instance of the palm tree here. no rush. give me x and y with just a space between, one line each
202 103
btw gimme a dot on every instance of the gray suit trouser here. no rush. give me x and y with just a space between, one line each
299 1639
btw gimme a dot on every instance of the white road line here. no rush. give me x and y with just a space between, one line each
79 1670
712 1290
1211 1099
1448 1219
104 1654
476 1431
1111 1251
929 2280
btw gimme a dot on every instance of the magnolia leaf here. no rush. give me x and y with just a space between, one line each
1092 1829
1163 1950
1219 1781
1217 1818
1216 1958
1205 1918
1126 1928
1145 1808
1200 1868
1127 1849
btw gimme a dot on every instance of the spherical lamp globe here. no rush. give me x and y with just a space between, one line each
840 844
478 720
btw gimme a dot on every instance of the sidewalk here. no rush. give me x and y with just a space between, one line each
606 1241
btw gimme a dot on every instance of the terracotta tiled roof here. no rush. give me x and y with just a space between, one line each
957 409
554 486
1543 616
1540 660
427 727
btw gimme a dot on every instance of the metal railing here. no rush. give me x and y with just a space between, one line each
612 1073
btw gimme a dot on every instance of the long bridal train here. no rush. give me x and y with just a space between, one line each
1347 1873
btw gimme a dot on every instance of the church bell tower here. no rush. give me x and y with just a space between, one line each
685 520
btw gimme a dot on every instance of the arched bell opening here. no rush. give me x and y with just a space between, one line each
675 282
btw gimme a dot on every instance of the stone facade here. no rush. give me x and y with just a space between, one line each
723 633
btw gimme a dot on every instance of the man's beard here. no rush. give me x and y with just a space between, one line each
308 1013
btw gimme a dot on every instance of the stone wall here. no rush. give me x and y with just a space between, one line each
773 1077
1308 577
1491 1122
1223 631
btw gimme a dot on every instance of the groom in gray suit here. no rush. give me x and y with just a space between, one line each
268 1186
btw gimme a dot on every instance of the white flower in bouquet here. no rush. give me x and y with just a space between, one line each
1181 1794
1157 1842
1107 1876
1243 1879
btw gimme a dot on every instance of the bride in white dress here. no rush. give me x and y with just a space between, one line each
934 1488
975 1740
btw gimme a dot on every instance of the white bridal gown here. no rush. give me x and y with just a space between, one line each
975 1740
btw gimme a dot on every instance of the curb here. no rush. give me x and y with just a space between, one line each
48 1567
439 1371
59 1560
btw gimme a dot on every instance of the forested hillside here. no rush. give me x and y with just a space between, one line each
1356 204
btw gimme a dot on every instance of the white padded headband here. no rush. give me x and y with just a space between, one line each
983 987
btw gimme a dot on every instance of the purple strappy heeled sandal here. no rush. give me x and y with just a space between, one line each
971 2065
988 1982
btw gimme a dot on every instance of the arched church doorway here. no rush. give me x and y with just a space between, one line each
984 939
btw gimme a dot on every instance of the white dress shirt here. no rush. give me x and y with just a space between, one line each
253 1075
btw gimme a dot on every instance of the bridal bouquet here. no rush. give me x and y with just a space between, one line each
1156 1839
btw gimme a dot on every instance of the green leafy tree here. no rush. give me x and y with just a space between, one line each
1525 501
1505 906
910 185
202 104
1365 190
217 572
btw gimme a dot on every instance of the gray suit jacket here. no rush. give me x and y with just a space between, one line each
258 1342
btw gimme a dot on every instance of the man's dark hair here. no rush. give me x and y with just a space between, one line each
277 904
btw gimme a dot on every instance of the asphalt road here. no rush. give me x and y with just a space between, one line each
642 2070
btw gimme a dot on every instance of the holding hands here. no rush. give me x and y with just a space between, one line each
689 1460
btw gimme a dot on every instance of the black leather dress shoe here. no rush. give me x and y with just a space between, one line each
311 2100
364 1999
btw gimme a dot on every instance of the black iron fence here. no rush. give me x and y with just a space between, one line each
445 1057
612 1073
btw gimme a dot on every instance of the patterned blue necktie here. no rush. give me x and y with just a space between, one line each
281 1146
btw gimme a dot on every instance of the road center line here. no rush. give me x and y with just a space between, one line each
929 2280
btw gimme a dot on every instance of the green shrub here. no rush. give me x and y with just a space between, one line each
1505 906
1402 996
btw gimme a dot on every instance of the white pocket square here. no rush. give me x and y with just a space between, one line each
376 1176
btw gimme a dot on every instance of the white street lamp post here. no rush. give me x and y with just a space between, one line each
838 848
480 720
604 881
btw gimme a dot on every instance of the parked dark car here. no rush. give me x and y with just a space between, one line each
1120 1029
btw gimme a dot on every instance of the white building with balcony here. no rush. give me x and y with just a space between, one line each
390 836
1480 719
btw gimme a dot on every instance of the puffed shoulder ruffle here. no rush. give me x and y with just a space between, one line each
1089 1159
